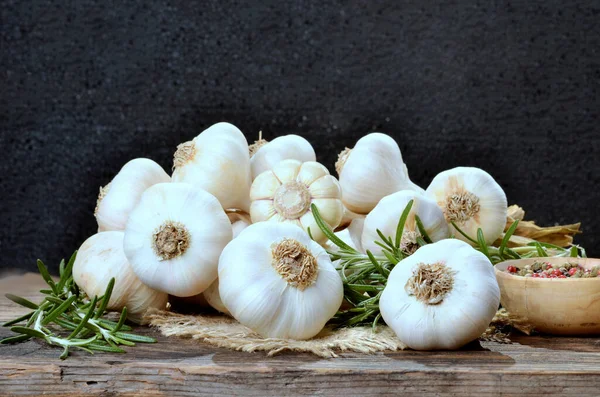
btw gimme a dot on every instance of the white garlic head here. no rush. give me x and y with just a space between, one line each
268 154
216 161
277 281
472 199
387 213
441 297
370 171
117 199
285 194
101 258
174 238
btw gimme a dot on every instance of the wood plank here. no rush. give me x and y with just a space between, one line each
536 365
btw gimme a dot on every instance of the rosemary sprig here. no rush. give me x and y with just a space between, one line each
66 318
365 275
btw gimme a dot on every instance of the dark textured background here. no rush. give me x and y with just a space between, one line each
88 85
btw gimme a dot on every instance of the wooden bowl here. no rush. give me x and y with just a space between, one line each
569 306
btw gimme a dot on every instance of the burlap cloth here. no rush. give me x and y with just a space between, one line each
223 331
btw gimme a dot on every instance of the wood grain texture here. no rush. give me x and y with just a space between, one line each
531 365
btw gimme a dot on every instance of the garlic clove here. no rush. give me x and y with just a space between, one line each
275 280
170 250
472 199
101 258
268 182
302 184
262 210
325 186
331 210
217 161
310 172
279 149
117 199
442 297
384 217
370 171
287 170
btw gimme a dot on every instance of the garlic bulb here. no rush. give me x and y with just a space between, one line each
265 155
275 280
239 223
387 213
216 161
370 171
174 238
117 199
101 258
285 194
441 297
472 199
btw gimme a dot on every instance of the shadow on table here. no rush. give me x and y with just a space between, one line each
470 355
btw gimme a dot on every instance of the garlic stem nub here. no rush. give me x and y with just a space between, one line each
461 206
341 161
430 283
295 263
171 240
103 192
253 148
292 200
185 153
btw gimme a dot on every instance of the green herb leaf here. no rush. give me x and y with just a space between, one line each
402 222
511 230
21 301
105 299
18 319
14 339
28 331
46 276
422 230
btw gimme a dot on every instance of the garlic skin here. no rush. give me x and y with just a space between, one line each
370 171
117 199
348 217
174 238
387 213
216 161
101 258
277 281
285 194
281 148
214 299
211 294
472 199
441 297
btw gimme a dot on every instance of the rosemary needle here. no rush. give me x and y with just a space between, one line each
66 318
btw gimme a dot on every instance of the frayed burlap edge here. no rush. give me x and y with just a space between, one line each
222 331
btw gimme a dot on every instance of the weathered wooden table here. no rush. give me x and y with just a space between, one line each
534 365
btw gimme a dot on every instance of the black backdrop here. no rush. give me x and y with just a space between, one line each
87 85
